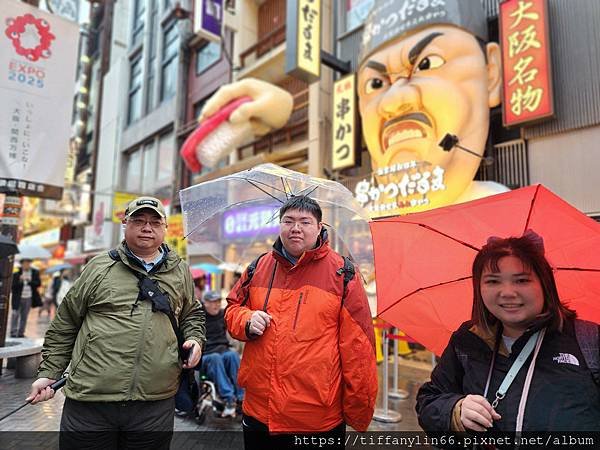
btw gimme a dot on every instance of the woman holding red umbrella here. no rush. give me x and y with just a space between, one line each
523 362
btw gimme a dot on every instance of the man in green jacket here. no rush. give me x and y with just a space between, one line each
125 364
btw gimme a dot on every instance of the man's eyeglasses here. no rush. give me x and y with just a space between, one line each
139 222
287 223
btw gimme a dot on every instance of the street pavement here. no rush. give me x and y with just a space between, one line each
46 416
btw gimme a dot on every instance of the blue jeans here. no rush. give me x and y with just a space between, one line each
222 369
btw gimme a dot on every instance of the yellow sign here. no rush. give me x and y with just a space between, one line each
174 237
309 36
303 37
71 162
344 124
120 202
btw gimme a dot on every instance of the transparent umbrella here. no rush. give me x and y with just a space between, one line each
235 218
59 267
31 251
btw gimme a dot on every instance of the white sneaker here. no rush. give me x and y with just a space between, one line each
229 410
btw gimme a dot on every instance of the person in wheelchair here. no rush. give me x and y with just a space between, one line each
219 362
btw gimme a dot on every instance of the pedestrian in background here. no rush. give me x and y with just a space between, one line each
60 286
124 357
25 284
220 362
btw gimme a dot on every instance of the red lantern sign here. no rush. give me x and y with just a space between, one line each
527 74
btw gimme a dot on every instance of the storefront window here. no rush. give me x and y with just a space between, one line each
356 12
133 172
207 55
150 77
166 154
169 62
135 91
139 13
149 167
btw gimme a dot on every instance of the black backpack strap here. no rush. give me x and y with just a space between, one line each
114 255
588 340
250 271
349 271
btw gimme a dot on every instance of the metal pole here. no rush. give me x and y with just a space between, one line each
384 414
395 392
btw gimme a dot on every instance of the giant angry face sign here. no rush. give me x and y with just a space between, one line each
416 86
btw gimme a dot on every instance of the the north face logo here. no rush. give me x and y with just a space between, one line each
566 358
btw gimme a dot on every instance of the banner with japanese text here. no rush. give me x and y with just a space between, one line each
38 58
527 73
303 38
344 131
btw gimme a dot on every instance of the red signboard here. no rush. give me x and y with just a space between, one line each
526 65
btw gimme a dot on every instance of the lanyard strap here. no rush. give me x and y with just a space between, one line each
527 385
514 369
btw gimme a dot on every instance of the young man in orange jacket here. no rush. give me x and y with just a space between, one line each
309 361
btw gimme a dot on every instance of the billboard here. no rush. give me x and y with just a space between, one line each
303 37
344 132
38 57
527 73
208 19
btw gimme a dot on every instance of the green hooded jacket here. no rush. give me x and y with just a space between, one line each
118 348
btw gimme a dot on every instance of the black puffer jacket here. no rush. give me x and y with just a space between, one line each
562 396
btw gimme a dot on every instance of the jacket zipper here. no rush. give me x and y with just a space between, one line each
87 341
138 357
298 310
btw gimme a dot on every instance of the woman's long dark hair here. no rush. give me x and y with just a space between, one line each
529 248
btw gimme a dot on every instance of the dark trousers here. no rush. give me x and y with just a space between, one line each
222 369
18 321
117 425
257 437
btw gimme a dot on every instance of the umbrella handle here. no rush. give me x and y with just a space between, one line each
58 384
54 386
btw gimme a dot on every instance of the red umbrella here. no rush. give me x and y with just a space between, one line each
423 260
197 273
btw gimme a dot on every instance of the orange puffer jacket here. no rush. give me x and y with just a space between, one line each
314 366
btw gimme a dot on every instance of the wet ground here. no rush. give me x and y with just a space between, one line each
46 416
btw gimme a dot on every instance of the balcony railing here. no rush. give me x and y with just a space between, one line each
297 126
268 42
510 167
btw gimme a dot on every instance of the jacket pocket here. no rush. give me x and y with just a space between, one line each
310 317
81 356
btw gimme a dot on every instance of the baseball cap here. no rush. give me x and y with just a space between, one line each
212 296
145 203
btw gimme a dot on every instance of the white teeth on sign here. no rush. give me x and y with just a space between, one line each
403 135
